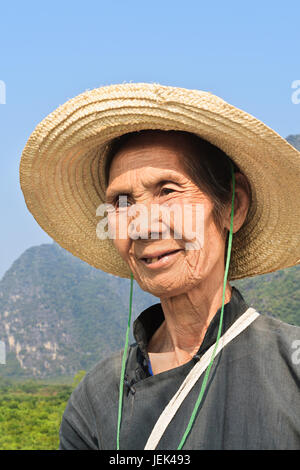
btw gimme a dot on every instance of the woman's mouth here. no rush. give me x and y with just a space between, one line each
161 260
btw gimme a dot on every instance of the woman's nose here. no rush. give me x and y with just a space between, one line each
149 222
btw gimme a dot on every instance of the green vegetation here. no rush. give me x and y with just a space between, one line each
276 294
31 413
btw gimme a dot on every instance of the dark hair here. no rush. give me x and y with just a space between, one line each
207 166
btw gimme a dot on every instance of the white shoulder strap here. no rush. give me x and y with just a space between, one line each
167 415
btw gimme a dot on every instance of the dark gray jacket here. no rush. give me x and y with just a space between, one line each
252 398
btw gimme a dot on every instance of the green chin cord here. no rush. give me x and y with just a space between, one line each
123 364
204 383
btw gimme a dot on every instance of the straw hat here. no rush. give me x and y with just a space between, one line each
62 170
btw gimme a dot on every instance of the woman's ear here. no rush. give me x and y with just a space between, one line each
242 201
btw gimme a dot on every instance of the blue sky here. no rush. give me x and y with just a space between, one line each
245 52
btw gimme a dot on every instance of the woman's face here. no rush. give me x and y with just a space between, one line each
148 171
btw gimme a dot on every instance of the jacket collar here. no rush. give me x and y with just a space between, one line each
150 320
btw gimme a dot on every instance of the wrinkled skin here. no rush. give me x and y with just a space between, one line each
190 288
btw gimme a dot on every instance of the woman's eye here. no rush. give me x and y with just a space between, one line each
121 201
167 190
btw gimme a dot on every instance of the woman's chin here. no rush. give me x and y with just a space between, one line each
166 285
167 280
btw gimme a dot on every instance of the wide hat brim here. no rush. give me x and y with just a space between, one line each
62 170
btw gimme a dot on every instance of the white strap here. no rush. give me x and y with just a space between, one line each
167 415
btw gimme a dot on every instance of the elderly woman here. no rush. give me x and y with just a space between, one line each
206 371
